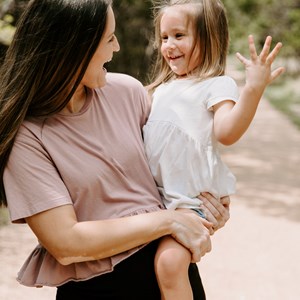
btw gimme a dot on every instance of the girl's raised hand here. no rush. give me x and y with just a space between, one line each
258 68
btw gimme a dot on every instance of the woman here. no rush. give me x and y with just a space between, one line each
73 162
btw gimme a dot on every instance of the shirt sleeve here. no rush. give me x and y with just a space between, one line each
222 88
32 183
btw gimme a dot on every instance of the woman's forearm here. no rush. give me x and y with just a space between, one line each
110 237
70 241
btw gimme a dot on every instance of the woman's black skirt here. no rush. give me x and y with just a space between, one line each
132 279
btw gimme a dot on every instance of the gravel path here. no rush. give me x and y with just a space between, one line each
257 255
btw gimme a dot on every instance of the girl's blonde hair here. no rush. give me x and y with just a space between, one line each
211 36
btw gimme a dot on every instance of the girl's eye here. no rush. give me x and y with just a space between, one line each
179 35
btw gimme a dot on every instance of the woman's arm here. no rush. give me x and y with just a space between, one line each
232 120
70 241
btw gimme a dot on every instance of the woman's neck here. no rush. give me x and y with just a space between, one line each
77 101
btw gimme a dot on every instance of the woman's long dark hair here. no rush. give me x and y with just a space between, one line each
51 49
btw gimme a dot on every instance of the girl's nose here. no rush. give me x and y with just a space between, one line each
170 44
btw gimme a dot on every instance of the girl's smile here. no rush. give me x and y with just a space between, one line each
178 42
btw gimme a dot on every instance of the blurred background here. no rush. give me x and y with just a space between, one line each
256 256
280 19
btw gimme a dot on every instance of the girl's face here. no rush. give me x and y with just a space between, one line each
177 41
94 76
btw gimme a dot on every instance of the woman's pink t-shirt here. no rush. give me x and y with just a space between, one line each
93 160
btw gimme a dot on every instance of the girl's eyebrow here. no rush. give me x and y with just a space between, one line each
177 28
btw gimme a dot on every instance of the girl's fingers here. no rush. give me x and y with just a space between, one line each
242 59
266 49
265 59
252 48
271 57
276 73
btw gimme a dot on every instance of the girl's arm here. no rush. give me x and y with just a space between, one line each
232 120
70 241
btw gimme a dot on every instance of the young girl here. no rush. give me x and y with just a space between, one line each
194 107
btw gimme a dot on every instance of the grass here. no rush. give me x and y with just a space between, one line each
4 217
285 96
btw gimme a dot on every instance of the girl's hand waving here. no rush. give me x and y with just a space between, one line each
258 67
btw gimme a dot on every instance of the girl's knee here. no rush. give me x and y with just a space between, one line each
171 262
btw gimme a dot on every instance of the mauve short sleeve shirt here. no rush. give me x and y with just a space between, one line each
93 160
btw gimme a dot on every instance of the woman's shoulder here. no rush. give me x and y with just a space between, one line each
126 89
32 127
123 86
123 80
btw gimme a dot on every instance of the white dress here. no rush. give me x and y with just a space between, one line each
180 144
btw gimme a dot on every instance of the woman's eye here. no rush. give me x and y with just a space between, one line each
112 38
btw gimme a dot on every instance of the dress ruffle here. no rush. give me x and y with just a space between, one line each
42 269
184 166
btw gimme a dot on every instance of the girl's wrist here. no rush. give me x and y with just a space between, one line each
254 90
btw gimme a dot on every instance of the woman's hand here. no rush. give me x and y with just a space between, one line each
189 230
215 210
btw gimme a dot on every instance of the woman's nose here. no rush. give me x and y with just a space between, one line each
116 45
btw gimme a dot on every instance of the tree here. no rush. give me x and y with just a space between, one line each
134 27
10 11
134 32
13 8
280 19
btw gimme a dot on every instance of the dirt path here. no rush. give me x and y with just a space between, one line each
257 255
16 243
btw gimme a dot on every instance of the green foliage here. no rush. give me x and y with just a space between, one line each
280 19
134 30
285 96
6 30
4 216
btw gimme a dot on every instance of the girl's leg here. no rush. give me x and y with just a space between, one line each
172 263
